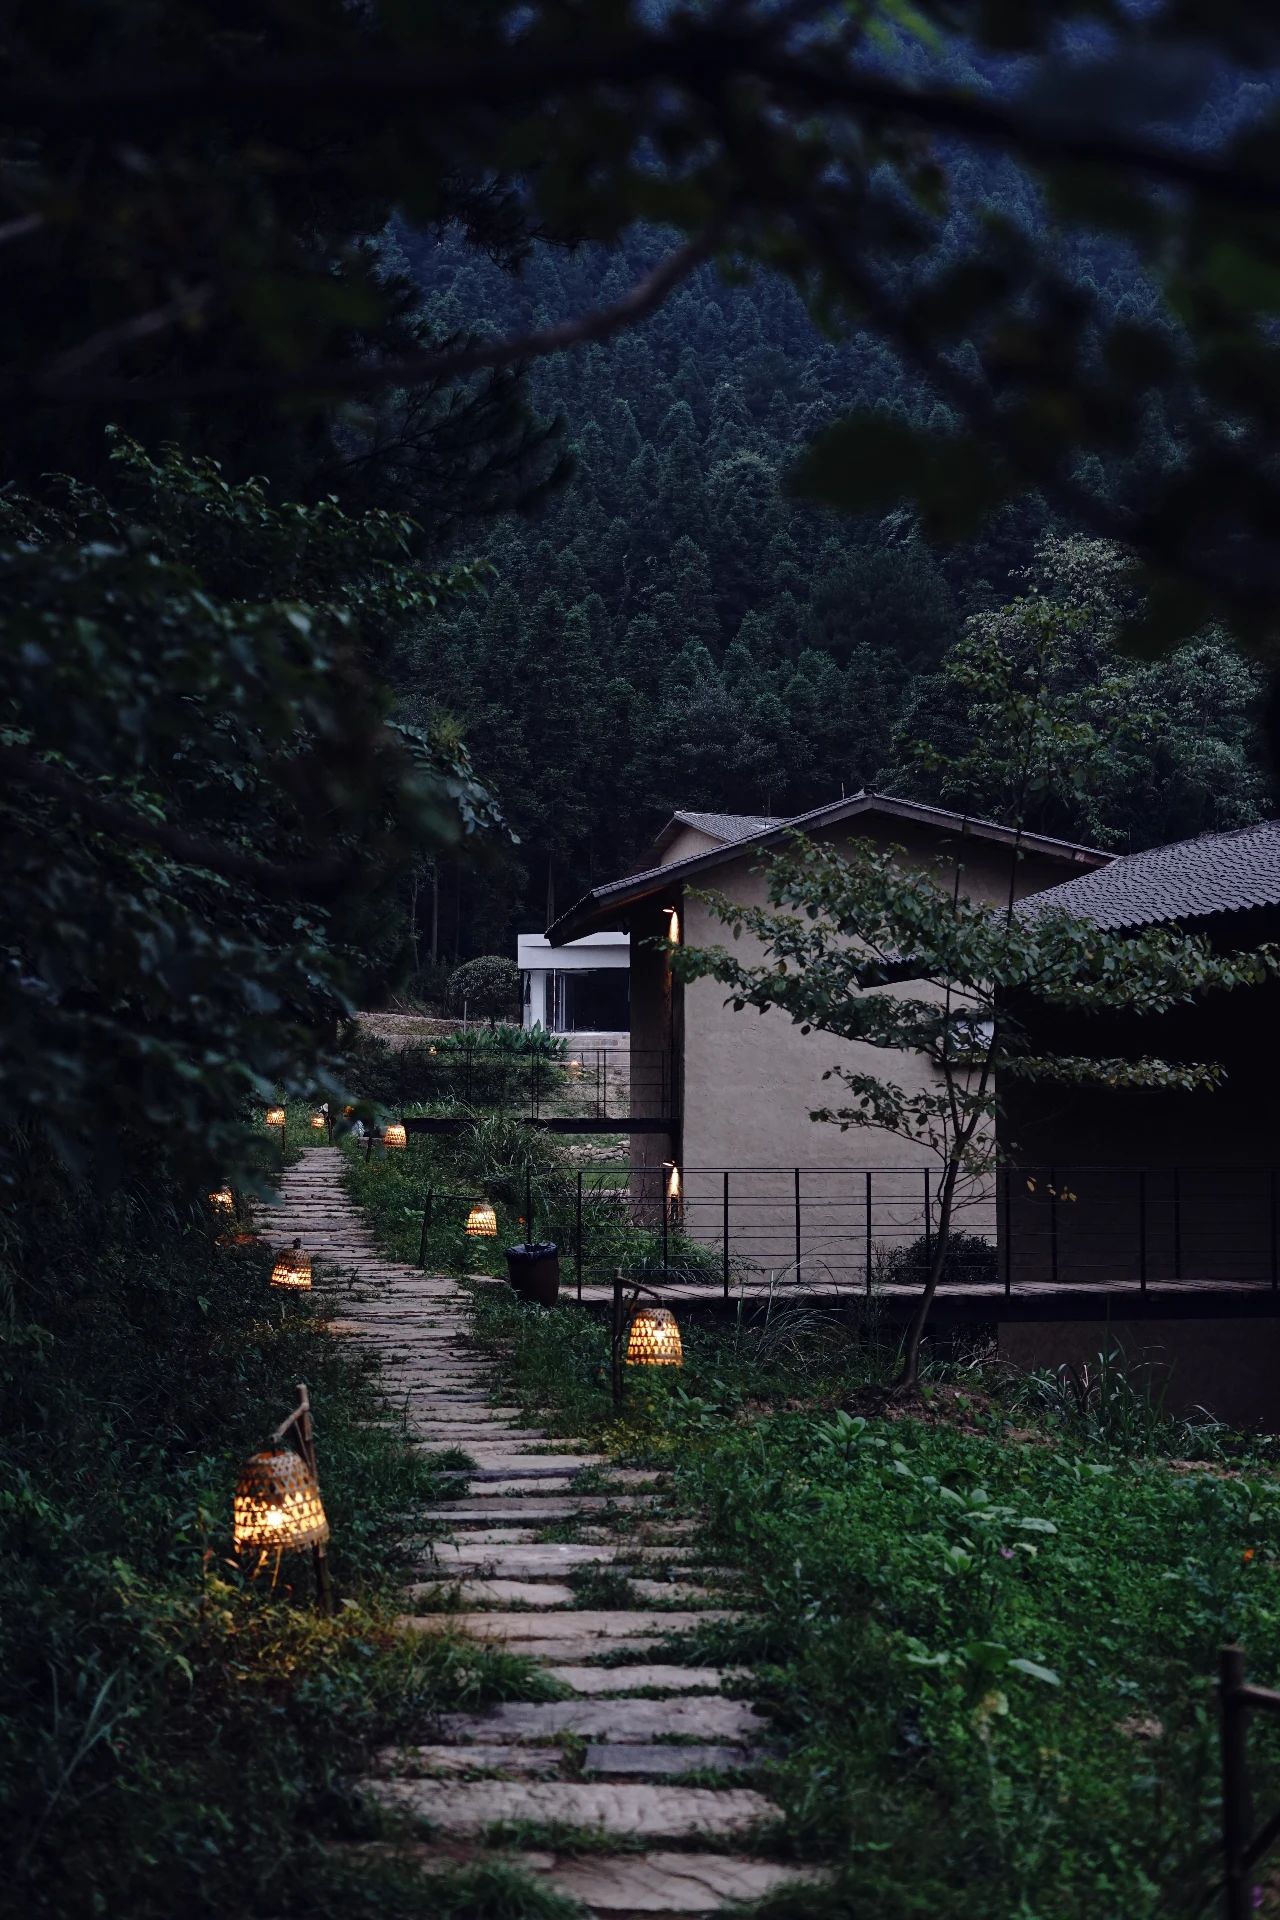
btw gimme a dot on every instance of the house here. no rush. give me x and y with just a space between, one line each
1170 1192
735 1131
579 988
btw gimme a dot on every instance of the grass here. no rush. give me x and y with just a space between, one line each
986 1632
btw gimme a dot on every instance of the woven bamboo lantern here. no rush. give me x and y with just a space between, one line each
575 1069
275 1116
394 1135
277 1503
482 1222
654 1339
292 1269
318 1123
222 1200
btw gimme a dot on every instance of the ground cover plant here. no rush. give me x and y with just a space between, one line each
175 1737
532 1183
986 1629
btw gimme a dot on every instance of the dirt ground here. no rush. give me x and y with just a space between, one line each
403 1029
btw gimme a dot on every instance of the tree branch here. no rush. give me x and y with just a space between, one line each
700 58
344 376
312 880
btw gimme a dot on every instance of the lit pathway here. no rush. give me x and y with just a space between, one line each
609 1755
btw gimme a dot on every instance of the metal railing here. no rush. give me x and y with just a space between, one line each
856 1228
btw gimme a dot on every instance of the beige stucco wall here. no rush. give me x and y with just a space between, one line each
750 1081
688 841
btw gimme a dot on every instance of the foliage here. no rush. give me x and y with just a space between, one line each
1158 751
969 1258
986 1643
488 985
205 801
172 1735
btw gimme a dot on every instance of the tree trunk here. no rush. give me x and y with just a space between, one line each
909 1379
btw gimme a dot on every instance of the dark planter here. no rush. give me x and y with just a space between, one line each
534 1272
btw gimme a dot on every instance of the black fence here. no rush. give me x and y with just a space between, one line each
848 1229
601 1086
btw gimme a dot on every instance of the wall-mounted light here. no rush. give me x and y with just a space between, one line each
673 925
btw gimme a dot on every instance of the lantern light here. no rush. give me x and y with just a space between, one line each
277 1503
275 1116
318 1122
292 1269
482 1222
673 925
222 1200
575 1068
654 1339
394 1135
348 1113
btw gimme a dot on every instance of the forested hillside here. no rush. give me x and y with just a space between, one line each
673 627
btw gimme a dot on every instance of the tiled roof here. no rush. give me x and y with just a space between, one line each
729 826
1189 880
607 899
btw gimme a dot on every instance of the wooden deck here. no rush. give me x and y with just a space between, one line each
1112 1300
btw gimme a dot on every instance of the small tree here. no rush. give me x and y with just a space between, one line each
842 927
489 985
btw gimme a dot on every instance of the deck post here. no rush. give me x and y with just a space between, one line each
928 1225
1233 1711
1142 1230
724 1232
1053 1225
577 1234
1177 1224
867 1178
1275 1235
797 1186
1008 1229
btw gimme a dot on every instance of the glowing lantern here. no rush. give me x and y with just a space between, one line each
223 1200
318 1123
348 1113
654 1339
482 1221
394 1135
673 926
275 1116
575 1069
292 1269
277 1503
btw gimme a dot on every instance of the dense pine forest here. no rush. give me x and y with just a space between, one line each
672 624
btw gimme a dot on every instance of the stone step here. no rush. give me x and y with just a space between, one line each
709 1717
639 1812
628 1886
584 1626
487 1553
482 1510
639 1677
617 1761
491 1593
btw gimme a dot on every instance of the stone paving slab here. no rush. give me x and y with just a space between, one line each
537 1509
593 1624
707 1717
621 1761
639 1677
640 1812
674 1885
456 1591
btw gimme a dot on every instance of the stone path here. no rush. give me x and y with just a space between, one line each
643 1745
